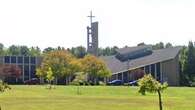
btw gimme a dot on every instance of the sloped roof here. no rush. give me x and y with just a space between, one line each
116 66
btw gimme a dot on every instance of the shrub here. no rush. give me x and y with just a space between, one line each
4 86
101 83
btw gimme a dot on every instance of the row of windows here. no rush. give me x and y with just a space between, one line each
19 59
147 70
28 70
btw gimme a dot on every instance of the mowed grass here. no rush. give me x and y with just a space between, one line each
23 97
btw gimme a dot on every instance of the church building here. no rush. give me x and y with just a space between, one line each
131 63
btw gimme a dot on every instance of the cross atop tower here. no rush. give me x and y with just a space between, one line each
91 17
92 36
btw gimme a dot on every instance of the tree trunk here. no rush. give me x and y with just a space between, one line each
160 100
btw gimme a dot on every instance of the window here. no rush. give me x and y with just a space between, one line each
7 59
26 60
33 60
147 69
20 59
153 70
32 71
120 76
26 72
21 68
13 59
158 71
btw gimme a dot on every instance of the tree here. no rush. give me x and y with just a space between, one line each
24 50
61 62
2 49
95 68
78 52
168 45
187 61
13 50
49 77
159 45
184 78
35 51
107 51
48 49
9 70
149 84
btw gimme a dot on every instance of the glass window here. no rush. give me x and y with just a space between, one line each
120 76
147 69
26 60
32 71
26 72
153 70
13 59
32 60
158 71
7 59
20 59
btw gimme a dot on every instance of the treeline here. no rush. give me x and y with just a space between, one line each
78 51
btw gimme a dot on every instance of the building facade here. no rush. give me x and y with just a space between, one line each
27 64
131 63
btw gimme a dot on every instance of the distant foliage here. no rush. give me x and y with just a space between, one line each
187 62
107 51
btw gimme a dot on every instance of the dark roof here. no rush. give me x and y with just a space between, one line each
131 49
116 66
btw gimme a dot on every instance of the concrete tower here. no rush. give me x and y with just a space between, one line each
92 37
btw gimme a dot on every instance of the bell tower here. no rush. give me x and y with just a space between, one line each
92 36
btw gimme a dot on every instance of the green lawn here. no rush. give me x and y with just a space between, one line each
94 98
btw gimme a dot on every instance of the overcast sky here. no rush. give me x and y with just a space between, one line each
55 23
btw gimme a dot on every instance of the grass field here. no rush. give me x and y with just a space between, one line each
94 98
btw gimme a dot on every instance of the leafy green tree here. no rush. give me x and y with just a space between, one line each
78 52
187 61
2 49
48 49
50 77
35 51
168 45
149 84
95 68
24 50
184 78
107 51
62 63
13 50
159 45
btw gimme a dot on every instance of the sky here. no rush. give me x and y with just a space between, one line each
52 23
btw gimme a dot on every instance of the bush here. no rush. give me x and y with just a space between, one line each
192 84
4 86
101 83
